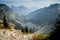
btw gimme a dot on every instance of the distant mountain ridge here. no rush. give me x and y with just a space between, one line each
42 19
45 17
44 14
21 10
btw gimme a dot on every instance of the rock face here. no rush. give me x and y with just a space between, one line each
14 35
10 15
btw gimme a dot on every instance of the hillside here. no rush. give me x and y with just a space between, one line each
10 14
46 14
41 20
14 35
44 17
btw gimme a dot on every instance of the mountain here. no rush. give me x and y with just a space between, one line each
11 15
7 11
21 10
44 17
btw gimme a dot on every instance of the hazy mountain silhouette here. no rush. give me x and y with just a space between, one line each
21 10
45 17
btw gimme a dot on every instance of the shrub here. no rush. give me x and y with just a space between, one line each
39 37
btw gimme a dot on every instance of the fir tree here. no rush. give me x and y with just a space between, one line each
22 29
26 29
5 22
55 34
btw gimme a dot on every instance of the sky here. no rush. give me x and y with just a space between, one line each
30 3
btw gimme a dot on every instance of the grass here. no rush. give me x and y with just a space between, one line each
39 37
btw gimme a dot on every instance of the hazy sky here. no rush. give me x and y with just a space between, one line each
30 3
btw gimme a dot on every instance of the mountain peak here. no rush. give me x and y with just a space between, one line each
22 7
2 4
6 10
54 5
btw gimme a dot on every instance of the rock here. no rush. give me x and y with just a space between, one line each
14 35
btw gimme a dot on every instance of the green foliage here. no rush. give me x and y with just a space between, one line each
26 29
55 34
5 22
22 29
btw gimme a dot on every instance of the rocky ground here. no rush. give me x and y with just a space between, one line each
14 35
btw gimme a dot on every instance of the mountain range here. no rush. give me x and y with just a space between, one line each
42 19
21 10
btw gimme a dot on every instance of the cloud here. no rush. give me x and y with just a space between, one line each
30 3
40 4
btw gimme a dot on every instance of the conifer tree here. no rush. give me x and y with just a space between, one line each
22 29
55 34
5 22
26 29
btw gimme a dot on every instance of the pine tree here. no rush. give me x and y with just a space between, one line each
22 29
55 34
5 22
26 29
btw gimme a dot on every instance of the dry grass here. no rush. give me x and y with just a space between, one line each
39 37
